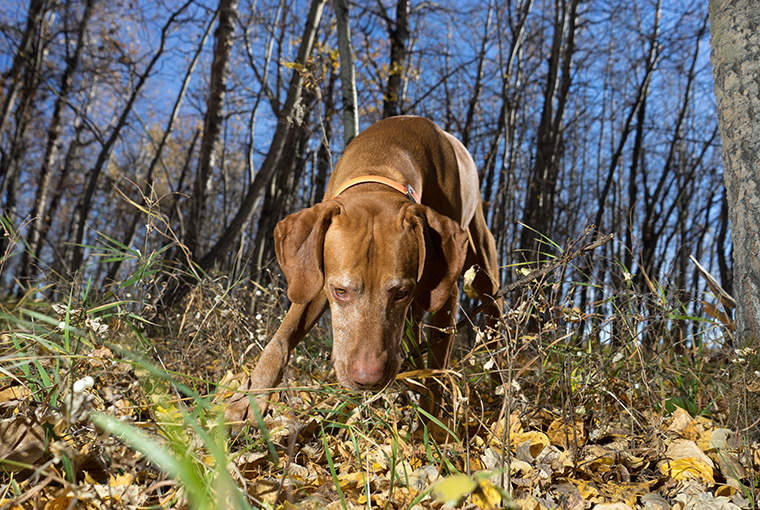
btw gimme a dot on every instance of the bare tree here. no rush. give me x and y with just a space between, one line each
289 115
21 59
25 77
398 33
84 204
212 125
347 72
539 210
35 235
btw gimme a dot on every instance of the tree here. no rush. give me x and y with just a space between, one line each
736 66
35 236
542 189
288 116
212 126
398 32
347 72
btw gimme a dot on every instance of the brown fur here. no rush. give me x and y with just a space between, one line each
374 257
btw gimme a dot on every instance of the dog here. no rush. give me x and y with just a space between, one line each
401 219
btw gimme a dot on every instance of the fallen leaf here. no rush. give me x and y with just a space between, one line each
486 496
681 448
612 506
21 440
59 503
452 489
683 424
563 434
688 468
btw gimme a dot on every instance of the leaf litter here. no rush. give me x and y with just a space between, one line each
543 440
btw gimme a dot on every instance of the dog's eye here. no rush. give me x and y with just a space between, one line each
340 294
402 294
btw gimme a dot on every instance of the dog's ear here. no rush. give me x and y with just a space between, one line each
443 247
299 241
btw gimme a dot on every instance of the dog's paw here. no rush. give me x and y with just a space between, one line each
238 410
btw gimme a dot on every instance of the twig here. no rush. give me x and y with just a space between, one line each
536 274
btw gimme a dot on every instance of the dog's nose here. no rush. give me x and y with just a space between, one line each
368 371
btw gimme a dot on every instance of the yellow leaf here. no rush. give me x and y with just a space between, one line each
469 277
121 480
351 480
4 501
486 496
586 489
538 441
452 489
59 503
559 433
688 468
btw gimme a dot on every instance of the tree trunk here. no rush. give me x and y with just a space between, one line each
52 147
324 158
347 74
147 188
268 167
539 211
85 203
212 125
736 65
472 104
399 36
12 161
21 59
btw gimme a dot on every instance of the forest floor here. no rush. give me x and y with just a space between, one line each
105 403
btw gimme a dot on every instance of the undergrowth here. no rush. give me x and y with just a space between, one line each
109 399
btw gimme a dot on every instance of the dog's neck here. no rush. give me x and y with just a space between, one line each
407 190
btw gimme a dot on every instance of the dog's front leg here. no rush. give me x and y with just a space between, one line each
441 340
275 356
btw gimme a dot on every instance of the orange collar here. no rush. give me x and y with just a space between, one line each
406 190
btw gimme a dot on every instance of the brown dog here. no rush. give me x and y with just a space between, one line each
402 217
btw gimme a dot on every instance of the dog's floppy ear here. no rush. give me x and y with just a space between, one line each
443 247
299 241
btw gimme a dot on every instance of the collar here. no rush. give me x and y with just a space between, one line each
406 190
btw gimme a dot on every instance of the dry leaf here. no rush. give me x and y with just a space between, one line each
688 468
21 440
683 423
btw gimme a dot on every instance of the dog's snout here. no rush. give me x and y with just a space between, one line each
368 371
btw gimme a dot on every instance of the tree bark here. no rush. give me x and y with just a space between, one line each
736 64
399 36
212 125
347 72
34 238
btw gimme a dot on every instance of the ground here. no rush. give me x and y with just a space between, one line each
107 406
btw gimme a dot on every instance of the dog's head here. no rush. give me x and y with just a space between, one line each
371 261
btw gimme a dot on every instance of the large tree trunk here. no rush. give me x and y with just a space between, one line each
736 64
212 125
